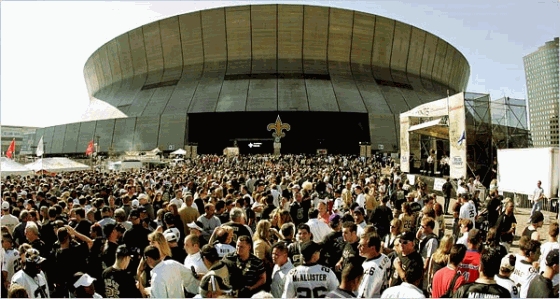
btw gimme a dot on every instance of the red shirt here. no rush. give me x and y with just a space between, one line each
442 279
470 265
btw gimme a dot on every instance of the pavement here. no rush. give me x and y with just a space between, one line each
521 215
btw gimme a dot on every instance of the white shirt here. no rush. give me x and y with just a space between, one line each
337 205
223 249
275 195
467 211
314 281
32 285
463 239
279 278
376 277
404 290
169 278
178 202
10 221
196 261
319 229
522 275
508 284
10 262
361 200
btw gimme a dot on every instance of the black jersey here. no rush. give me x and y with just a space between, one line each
481 290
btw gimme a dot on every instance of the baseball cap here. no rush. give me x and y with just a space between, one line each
168 217
170 235
196 225
334 218
142 209
552 258
408 236
84 281
32 255
537 217
508 262
135 203
134 213
308 249
359 210
296 186
211 281
5 205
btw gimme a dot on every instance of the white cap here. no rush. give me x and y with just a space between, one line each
170 235
84 281
5 205
135 204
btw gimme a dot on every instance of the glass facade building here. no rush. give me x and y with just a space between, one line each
543 91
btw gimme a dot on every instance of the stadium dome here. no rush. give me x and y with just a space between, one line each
219 76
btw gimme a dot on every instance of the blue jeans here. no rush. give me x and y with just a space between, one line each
537 206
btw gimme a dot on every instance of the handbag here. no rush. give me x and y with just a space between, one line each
451 286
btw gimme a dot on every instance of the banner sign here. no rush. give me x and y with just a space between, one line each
457 137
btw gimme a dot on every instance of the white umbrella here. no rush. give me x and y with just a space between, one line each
56 165
11 167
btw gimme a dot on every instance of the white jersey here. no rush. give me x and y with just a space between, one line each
376 277
224 249
11 262
508 284
522 275
314 281
9 221
36 287
467 211
545 249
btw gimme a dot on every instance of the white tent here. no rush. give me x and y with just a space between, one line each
179 152
11 167
56 165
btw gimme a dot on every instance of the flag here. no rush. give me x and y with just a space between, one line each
462 138
89 149
11 149
40 151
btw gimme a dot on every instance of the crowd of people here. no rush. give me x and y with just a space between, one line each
262 226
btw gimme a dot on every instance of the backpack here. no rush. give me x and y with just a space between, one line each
424 241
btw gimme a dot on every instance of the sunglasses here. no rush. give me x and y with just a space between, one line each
404 242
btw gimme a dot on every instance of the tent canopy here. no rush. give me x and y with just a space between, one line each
10 167
435 128
56 165
179 152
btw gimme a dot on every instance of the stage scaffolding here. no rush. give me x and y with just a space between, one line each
491 125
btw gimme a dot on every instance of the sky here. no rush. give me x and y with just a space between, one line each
44 45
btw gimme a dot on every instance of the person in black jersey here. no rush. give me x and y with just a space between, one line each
119 283
485 286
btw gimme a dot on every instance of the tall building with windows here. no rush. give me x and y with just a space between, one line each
543 91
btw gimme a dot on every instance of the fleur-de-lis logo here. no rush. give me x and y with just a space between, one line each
278 128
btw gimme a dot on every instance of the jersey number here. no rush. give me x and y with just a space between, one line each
318 292
471 213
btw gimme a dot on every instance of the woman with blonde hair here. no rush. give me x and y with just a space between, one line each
440 258
408 220
388 242
262 247
157 239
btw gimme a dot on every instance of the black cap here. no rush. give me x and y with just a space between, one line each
134 213
408 236
168 217
308 249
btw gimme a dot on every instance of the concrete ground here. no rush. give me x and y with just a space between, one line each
521 215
